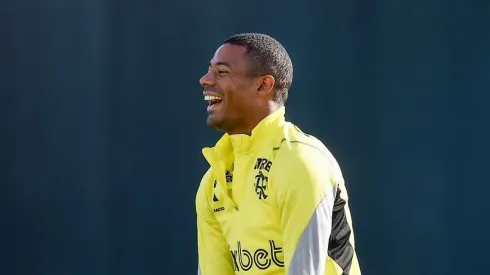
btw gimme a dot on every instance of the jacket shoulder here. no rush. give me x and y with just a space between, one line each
294 141
208 176
299 148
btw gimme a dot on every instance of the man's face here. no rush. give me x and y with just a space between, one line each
228 89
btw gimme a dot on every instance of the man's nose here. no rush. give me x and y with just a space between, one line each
207 80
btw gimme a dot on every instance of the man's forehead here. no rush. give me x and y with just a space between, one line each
230 54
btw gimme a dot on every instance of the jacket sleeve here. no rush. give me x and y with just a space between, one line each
305 193
213 253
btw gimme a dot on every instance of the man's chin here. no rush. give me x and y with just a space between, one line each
213 121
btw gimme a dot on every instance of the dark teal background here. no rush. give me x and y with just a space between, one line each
102 122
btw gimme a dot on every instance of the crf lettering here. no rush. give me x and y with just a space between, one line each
263 164
244 260
261 185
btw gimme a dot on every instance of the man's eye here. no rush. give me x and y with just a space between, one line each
222 72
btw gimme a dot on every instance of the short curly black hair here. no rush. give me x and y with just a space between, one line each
267 57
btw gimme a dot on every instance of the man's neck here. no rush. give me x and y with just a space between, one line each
254 120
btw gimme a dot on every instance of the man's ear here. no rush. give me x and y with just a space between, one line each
266 85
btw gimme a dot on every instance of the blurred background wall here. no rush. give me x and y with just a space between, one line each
102 124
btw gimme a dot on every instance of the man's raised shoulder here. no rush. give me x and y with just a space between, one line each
298 149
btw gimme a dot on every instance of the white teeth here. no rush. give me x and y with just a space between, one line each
212 97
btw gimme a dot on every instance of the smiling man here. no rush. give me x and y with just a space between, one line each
273 200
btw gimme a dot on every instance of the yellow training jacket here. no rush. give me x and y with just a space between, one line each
275 203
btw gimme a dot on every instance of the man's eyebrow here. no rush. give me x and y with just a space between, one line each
221 64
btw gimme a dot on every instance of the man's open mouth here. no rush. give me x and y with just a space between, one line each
211 99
